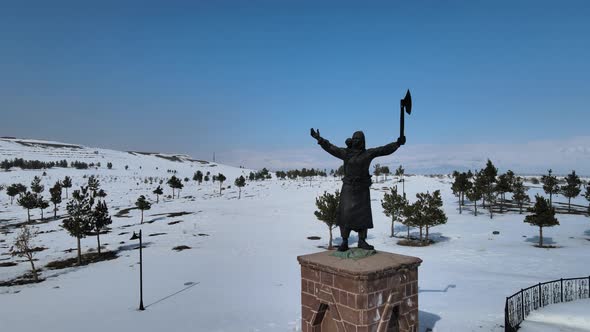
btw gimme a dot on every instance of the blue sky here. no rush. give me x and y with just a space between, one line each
247 79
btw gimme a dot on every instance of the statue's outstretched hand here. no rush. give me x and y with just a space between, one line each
315 133
401 140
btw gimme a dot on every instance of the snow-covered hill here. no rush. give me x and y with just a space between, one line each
241 272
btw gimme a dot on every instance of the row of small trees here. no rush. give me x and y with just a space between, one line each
488 186
7 164
424 213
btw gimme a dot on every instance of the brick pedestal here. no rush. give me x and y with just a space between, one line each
377 293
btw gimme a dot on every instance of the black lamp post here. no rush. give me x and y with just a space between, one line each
135 237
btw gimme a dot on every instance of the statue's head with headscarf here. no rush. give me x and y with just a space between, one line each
357 141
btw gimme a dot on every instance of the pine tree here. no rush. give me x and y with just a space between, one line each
400 172
28 201
543 216
67 183
327 205
572 188
474 193
42 204
587 196
240 182
393 205
434 213
377 172
415 214
520 196
93 185
490 172
385 171
460 186
110 165
79 222
198 177
13 190
36 185
175 183
100 219
55 193
143 204
550 185
158 191
502 187
408 220
490 196
23 246
220 178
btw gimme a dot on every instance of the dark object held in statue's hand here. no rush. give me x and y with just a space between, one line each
405 105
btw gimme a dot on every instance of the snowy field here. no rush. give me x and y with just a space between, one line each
241 273
563 317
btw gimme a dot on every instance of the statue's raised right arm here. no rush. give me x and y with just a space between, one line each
337 152
387 149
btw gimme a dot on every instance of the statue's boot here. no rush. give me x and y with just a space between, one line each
362 241
344 233
344 245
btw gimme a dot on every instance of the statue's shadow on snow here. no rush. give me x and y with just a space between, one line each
427 320
546 240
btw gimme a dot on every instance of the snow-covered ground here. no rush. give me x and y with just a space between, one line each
241 273
564 317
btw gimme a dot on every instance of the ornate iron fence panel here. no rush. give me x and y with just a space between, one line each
519 305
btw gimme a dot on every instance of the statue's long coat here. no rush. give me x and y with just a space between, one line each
355 200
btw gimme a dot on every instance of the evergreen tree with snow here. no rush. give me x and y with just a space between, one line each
66 183
327 205
377 172
143 204
158 191
393 205
587 196
220 178
550 185
460 186
42 204
36 185
490 172
572 188
28 201
79 222
385 171
475 192
434 213
240 183
503 186
100 220
543 215
13 190
110 165
490 195
55 193
198 176
93 185
175 183
519 195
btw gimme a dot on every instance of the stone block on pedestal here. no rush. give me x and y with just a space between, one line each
376 293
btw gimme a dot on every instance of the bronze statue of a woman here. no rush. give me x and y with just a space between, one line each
354 211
